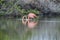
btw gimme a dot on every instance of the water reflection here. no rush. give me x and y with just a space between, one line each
44 29
29 23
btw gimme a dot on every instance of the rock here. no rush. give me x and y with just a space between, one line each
44 5
47 7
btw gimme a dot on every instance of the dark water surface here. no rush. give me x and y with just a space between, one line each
43 29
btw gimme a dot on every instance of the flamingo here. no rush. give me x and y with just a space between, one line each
26 20
31 15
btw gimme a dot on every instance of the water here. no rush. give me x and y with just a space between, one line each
43 29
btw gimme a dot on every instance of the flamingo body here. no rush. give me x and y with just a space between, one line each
31 15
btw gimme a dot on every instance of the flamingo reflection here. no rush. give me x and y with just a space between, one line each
26 20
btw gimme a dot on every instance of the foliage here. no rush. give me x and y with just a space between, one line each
7 7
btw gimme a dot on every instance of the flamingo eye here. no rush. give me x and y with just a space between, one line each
24 17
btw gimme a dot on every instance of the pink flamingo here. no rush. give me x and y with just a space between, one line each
28 22
31 15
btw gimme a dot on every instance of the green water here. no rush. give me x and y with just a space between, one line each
43 29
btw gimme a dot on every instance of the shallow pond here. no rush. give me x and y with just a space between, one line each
42 29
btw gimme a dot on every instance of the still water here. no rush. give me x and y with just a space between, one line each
42 29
